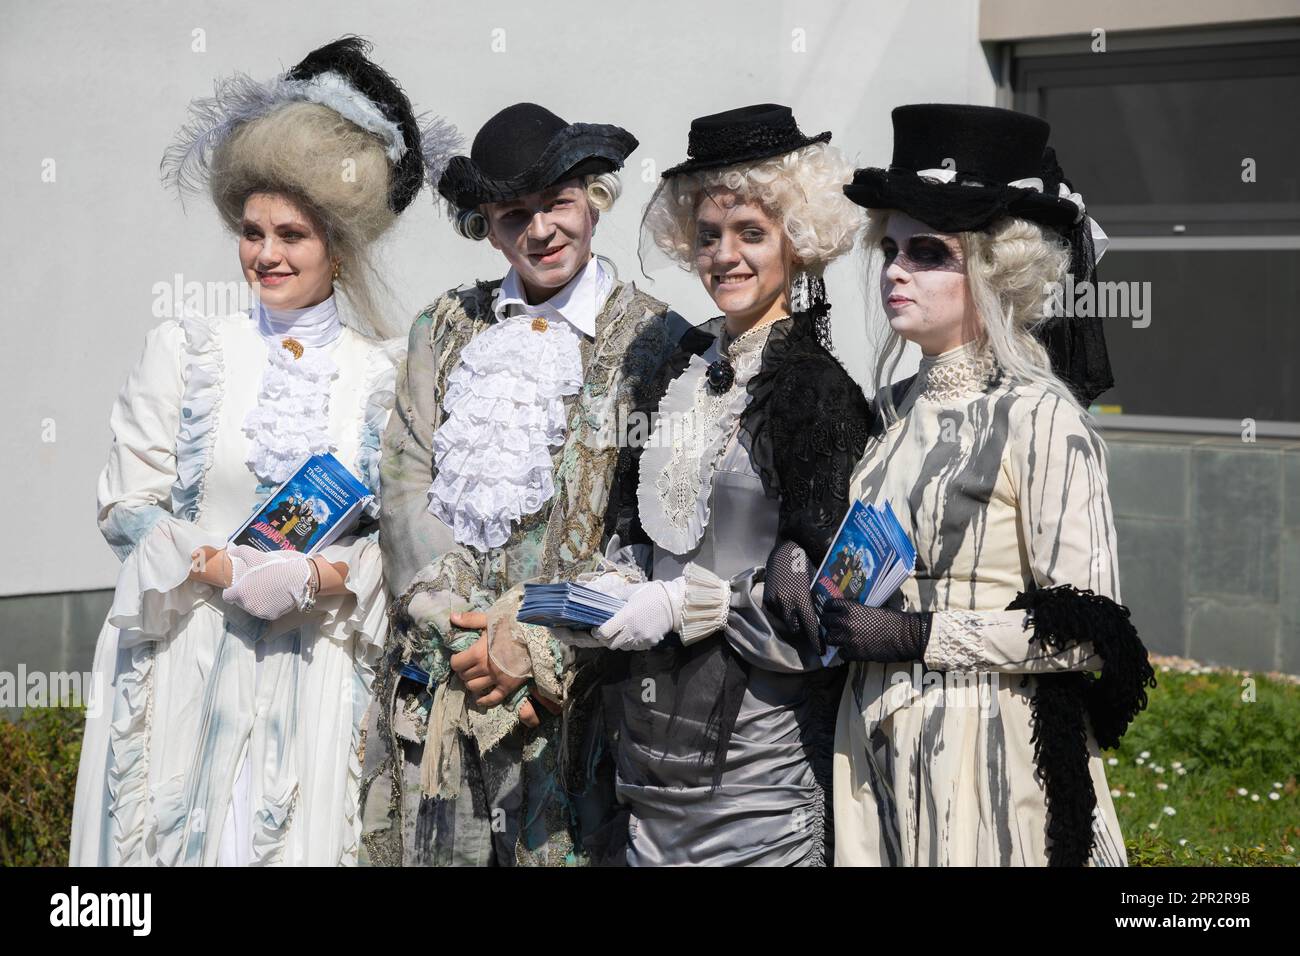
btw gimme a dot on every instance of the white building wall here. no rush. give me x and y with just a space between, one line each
99 88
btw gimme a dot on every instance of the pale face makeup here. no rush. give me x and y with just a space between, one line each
283 250
923 286
743 259
545 236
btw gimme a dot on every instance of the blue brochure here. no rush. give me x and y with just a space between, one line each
319 503
870 557
567 605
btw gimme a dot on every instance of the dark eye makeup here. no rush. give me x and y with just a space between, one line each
922 253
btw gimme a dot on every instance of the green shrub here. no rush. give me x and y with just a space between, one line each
38 779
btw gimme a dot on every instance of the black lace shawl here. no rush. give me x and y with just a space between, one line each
805 428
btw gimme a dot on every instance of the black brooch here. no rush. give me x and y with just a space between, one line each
720 376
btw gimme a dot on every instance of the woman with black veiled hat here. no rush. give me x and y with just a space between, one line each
226 727
725 717
971 721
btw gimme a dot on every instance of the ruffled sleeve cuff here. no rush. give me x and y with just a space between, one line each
154 590
706 606
362 609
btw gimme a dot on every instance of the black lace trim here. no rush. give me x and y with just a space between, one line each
1065 705
805 429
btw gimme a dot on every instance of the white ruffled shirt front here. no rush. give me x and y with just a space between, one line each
290 422
505 408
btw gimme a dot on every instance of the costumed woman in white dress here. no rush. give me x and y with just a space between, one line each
234 682
725 718
970 722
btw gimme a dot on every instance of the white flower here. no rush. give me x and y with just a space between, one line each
1277 786
1176 764
1183 842
1170 811
1182 771
1255 797
1164 668
1162 786
1116 793
1132 794
1113 761
1242 791
1158 769
1274 795
1140 761
1151 826
1145 754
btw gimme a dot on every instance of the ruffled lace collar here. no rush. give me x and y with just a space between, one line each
693 429
504 412
290 422
957 373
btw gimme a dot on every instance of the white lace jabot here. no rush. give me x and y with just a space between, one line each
687 442
291 419
504 409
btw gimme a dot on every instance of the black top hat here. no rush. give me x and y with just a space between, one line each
742 135
988 148
524 149
348 58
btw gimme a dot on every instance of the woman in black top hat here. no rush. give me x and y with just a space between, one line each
498 466
970 723
724 736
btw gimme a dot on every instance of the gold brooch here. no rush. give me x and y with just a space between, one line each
539 324
294 346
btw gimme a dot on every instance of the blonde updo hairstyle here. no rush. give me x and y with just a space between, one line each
603 190
1009 267
334 171
800 190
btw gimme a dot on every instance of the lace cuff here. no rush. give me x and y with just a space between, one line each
707 604
998 641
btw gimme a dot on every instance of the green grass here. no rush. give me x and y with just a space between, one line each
1223 744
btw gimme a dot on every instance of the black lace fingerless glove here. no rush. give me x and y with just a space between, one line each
875 633
787 592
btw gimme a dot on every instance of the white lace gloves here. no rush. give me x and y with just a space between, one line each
270 584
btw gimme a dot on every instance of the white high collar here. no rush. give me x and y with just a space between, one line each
315 326
577 303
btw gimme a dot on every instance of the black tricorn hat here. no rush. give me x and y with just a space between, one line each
348 58
981 151
525 148
742 135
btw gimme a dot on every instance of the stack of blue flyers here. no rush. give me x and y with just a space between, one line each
567 605
870 558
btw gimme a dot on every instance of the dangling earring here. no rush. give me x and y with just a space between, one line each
808 292
799 293
337 269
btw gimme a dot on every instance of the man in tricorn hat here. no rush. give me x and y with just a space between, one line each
498 467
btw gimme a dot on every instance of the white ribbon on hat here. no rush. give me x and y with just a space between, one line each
1099 238
333 90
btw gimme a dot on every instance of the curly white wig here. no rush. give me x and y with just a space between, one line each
802 190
